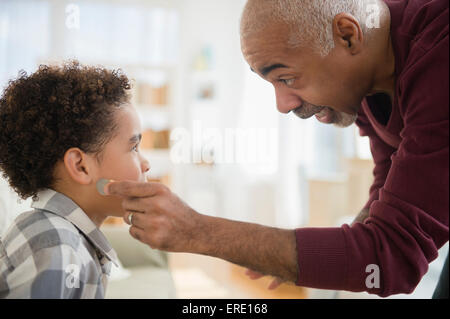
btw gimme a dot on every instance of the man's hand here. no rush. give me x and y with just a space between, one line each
159 218
254 275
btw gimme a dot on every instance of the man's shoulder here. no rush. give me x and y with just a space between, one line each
422 23
36 230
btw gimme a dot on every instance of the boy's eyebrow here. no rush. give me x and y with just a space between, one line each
135 138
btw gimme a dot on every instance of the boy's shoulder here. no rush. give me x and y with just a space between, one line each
54 243
43 255
35 230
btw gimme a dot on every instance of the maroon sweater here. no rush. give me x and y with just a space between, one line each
409 199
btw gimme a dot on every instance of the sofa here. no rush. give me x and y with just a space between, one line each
144 272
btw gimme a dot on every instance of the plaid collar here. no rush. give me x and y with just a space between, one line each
63 206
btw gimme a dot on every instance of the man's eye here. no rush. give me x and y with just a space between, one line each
287 82
135 148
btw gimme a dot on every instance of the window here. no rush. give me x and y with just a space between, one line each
24 36
33 32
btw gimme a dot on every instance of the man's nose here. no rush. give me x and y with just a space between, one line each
286 101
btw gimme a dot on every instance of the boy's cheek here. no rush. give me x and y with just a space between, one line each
123 172
121 169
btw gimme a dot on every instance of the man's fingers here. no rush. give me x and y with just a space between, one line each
137 204
137 233
130 217
135 219
275 283
254 275
133 189
126 218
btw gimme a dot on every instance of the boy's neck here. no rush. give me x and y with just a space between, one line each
85 196
86 201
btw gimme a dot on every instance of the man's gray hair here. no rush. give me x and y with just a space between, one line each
309 20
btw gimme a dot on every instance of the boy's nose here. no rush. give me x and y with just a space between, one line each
145 166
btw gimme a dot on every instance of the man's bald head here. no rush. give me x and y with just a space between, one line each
309 21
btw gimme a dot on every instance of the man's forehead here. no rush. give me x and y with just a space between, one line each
271 34
265 44
266 57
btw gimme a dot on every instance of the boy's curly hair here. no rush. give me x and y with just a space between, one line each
44 114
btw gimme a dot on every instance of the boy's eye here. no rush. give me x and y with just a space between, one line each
135 148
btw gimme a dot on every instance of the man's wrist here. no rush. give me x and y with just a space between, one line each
248 245
201 231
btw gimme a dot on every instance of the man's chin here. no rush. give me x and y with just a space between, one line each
326 115
344 120
338 119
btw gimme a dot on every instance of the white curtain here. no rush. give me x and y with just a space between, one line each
10 206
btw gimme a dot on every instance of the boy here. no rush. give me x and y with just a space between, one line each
62 129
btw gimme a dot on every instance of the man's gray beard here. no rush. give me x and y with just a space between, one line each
343 120
340 119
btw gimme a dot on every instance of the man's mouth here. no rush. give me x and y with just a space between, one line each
323 114
326 115
307 111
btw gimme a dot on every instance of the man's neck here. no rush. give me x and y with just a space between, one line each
384 79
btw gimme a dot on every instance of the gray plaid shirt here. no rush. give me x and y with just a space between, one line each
54 251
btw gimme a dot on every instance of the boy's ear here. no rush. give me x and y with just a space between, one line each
78 166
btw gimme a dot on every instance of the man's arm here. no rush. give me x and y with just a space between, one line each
163 221
267 250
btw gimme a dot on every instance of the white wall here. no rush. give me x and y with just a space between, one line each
214 24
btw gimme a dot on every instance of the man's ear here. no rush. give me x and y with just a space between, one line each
78 165
348 33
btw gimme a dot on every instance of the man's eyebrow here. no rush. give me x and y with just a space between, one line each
135 138
266 70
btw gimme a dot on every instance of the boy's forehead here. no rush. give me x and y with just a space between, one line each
128 121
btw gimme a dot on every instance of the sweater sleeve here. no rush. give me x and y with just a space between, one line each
408 222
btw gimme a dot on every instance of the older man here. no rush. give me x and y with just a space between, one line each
383 65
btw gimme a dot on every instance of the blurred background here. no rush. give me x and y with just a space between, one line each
211 133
